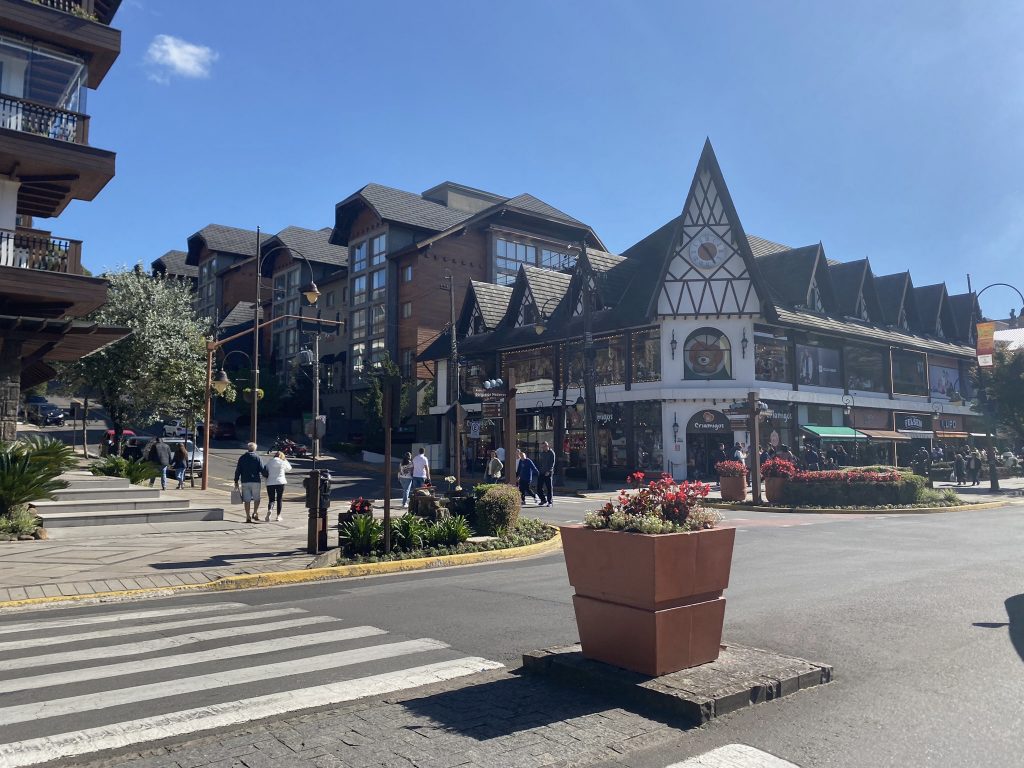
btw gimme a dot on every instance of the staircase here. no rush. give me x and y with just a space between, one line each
91 500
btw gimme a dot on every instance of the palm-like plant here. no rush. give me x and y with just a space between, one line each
23 480
362 533
408 531
136 470
47 451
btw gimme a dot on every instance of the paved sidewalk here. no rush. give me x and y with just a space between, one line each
495 721
90 559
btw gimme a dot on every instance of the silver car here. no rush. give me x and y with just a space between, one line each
195 453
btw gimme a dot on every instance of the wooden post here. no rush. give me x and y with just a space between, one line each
387 383
755 448
510 427
85 429
210 347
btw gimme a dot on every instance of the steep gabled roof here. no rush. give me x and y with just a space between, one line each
314 244
240 314
491 299
892 292
396 205
222 239
761 247
173 264
967 314
548 288
848 284
531 204
787 274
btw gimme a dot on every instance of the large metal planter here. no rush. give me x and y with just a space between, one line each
649 603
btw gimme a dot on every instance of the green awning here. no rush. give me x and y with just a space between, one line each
833 433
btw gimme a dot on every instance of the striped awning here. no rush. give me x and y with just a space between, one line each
885 435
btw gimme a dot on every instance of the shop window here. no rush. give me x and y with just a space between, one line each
817 366
647 356
707 355
771 360
866 370
909 373
647 436
530 366
610 360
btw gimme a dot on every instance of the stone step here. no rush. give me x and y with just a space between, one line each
62 519
111 503
83 492
94 481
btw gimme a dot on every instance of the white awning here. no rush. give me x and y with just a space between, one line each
916 433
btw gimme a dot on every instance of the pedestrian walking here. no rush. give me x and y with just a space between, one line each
180 464
959 469
420 470
812 459
526 473
546 466
405 478
249 473
500 453
495 468
717 456
974 467
159 454
276 469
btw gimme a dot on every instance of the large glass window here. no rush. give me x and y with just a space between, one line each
358 356
379 320
359 290
509 256
707 355
647 356
378 283
376 349
866 369
817 366
34 77
378 250
647 436
359 256
530 366
771 360
610 360
944 378
909 372
550 259
358 326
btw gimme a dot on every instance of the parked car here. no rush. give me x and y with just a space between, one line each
224 430
195 453
48 414
108 436
175 429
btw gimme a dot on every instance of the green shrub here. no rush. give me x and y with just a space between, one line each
20 522
464 506
349 449
449 531
135 470
481 488
408 532
54 454
23 480
361 534
498 509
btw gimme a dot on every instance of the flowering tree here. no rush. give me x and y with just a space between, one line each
160 369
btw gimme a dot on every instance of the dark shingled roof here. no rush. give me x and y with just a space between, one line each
847 281
228 239
527 202
617 271
788 273
408 208
928 299
493 301
240 314
891 289
761 247
548 288
173 264
314 244
966 313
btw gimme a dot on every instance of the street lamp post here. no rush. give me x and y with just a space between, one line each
310 291
452 385
589 376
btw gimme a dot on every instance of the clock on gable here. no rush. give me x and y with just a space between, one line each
707 250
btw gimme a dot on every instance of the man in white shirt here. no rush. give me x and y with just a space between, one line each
500 452
420 470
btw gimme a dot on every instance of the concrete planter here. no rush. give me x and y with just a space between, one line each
649 603
774 488
733 488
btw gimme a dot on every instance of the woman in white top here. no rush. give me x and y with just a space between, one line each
277 466
405 478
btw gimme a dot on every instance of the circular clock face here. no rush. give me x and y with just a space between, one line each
707 251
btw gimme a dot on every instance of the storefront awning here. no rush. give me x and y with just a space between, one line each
919 434
885 435
833 433
951 435
979 434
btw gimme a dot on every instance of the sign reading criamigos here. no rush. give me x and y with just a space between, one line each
708 422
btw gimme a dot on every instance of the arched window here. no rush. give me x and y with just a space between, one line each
707 355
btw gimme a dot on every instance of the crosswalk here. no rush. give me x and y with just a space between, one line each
84 682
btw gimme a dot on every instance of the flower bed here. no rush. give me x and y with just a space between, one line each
861 488
660 506
527 531
731 469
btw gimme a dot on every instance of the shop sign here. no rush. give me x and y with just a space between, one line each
951 424
491 410
474 430
986 344
708 423
913 422
604 418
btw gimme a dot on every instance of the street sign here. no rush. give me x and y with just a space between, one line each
474 430
986 344
491 410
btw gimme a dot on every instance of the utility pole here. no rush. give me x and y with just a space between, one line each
589 374
453 381
255 352
316 390
754 449
387 382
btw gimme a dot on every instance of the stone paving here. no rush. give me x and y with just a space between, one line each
498 720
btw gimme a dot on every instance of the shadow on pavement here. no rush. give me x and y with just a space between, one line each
514 704
221 561
1015 613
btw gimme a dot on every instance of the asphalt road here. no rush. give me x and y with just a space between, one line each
922 617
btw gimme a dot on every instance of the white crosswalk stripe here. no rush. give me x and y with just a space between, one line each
117 693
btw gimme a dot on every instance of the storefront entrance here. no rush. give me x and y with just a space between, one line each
705 432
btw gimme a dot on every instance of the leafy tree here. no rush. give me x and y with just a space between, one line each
1003 386
372 399
157 371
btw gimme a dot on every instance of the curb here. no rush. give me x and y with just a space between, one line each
280 578
871 511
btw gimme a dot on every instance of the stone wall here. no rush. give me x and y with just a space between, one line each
10 388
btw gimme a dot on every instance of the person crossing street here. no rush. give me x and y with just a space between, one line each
546 466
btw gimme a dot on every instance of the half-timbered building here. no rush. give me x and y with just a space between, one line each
694 317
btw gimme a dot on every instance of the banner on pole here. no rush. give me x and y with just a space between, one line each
986 344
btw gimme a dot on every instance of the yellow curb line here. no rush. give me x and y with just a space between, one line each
843 511
277 578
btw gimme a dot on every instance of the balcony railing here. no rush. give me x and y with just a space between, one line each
83 9
51 254
41 120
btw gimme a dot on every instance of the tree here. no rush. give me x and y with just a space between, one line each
157 371
1004 390
372 400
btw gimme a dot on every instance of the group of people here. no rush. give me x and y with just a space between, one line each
166 460
413 473
250 474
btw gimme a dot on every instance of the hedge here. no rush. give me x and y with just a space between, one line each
828 491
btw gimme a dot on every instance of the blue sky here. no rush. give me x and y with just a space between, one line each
887 130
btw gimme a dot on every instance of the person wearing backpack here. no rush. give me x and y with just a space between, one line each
405 478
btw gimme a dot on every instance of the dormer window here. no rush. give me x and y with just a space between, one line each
527 312
814 297
476 323
862 308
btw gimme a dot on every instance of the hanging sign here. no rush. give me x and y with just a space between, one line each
708 422
474 430
986 344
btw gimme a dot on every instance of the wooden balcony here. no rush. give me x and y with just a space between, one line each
41 120
32 250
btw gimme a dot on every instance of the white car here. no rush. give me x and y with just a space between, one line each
195 453
174 429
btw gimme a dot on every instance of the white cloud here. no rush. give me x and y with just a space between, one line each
174 56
